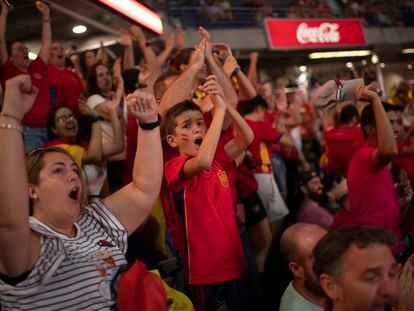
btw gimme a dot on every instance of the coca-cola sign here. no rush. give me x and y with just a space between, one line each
294 34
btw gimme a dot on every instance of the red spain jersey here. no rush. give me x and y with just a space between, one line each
264 136
37 115
213 248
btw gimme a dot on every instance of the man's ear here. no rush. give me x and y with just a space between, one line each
171 141
329 286
296 269
303 189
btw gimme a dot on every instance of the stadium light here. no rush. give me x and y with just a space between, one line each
338 54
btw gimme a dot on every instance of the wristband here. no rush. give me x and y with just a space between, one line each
95 119
8 126
150 126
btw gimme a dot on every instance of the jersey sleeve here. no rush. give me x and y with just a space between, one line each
172 173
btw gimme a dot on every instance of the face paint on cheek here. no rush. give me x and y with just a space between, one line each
184 137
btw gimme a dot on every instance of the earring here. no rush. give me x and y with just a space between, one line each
35 197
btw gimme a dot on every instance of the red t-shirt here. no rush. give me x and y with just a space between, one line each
264 136
67 85
405 161
37 116
341 144
214 252
372 194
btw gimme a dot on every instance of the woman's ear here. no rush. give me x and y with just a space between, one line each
33 192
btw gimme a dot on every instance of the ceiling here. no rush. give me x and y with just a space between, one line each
24 22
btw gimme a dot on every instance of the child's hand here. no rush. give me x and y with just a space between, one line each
212 88
19 96
142 106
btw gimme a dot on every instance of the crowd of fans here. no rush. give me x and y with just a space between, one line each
221 13
243 194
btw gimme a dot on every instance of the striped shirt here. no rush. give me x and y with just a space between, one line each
72 273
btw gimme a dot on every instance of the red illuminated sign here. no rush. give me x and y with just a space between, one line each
137 12
307 33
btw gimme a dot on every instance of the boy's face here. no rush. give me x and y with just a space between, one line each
189 133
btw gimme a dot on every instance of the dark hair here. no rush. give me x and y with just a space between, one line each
248 106
347 114
181 57
51 121
92 85
368 116
169 122
130 77
330 250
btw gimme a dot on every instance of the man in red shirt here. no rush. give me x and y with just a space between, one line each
343 141
16 62
66 84
264 136
199 180
372 195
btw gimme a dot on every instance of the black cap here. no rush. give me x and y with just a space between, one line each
306 176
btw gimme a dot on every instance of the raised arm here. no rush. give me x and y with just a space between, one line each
216 69
244 135
181 88
46 31
17 244
387 146
3 23
132 204
94 152
169 46
152 69
205 155
252 73
118 142
247 89
125 40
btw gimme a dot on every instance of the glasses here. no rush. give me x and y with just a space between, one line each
35 151
66 117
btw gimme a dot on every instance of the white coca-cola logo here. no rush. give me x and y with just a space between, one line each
326 32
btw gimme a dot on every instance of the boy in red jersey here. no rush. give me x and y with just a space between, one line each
199 181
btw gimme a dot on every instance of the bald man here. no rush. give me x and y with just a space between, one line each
296 246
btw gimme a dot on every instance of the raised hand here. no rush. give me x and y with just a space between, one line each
142 106
19 96
205 35
179 38
254 56
124 38
6 7
230 66
85 110
43 8
137 34
169 43
198 57
116 69
367 93
212 88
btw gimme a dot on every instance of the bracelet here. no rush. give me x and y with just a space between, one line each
150 126
6 115
95 119
8 126
235 71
